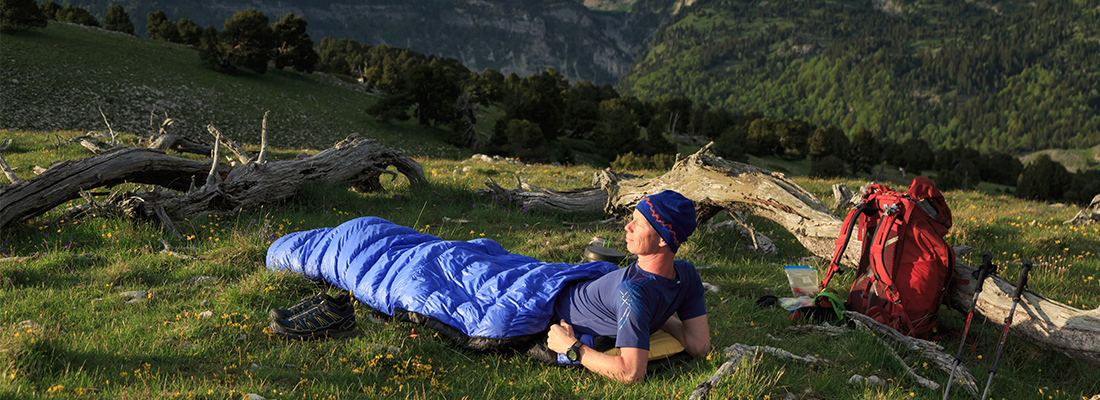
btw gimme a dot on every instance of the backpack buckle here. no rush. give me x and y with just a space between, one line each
890 209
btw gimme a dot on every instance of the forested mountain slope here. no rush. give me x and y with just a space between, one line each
1006 75
521 36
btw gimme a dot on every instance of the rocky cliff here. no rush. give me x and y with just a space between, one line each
524 37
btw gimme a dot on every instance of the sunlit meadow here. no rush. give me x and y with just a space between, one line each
199 331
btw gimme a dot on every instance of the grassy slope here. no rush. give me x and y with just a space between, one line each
57 77
93 344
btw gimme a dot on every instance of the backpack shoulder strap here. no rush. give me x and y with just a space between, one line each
842 241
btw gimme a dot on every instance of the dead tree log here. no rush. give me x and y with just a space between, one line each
355 161
1039 320
716 184
180 143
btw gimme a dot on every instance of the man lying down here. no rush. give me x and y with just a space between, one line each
483 297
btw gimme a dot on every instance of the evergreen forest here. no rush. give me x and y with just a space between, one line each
1010 76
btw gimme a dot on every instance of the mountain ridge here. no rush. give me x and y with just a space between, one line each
509 36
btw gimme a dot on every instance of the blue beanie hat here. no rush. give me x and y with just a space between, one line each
670 214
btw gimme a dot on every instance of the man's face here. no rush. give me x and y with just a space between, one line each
641 239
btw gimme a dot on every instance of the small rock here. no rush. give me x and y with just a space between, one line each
136 294
254 366
207 314
875 381
387 349
242 338
710 288
29 325
205 303
203 279
253 396
15 81
855 379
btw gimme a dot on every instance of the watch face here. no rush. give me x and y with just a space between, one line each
572 355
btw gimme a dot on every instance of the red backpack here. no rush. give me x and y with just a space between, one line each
905 266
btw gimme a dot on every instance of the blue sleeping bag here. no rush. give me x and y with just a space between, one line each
474 292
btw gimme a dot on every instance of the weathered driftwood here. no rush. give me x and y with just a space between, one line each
1089 215
181 144
716 184
927 350
588 199
734 354
8 172
355 161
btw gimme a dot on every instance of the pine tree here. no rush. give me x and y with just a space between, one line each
525 141
18 15
864 152
49 9
293 47
77 15
617 130
1044 179
212 52
161 28
118 19
249 40
189 32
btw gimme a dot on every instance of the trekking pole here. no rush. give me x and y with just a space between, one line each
983 272
1008 322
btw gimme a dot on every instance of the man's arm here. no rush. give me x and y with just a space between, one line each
629 367
693 334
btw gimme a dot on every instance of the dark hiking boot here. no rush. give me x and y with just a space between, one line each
307 303
324 320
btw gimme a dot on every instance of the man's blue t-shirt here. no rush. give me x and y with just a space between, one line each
630 303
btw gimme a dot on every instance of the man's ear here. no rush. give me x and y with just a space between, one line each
662 243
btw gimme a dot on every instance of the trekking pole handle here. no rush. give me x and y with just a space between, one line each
985 270
1023 280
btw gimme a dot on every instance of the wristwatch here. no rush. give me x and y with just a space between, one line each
574 352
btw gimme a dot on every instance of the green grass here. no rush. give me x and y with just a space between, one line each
93 344
62 76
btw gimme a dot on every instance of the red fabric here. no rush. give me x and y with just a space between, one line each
905 266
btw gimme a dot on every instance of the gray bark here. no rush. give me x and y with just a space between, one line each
356 162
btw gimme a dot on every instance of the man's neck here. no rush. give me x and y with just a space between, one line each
658 263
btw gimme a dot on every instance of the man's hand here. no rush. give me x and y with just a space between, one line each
561 337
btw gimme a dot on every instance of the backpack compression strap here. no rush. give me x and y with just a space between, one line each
842 241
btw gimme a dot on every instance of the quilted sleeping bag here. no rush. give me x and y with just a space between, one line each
474 292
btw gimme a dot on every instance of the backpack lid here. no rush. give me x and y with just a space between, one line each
930 199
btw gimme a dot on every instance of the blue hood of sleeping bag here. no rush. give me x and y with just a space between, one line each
475 287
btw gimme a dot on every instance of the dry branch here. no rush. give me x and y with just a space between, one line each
931 351
242 155
354 161
738 351
8 172
262 158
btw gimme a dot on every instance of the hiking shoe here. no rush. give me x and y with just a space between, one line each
307 303
324 320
